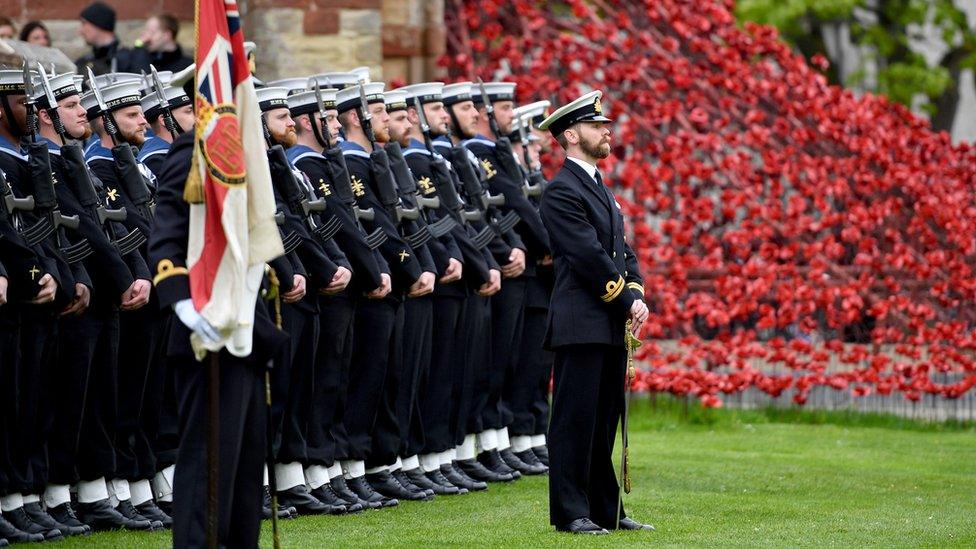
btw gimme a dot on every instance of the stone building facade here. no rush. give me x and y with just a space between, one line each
398 39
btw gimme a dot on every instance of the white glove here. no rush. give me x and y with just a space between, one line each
190 318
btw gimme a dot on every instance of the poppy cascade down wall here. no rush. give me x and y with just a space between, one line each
791 234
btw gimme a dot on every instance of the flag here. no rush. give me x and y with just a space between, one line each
232 230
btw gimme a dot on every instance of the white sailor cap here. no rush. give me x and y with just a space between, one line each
337 80
62 85
293 85
147 80
249 48
116 96
396 100
12 82
497 91
536 112
427 92
348 98
306 102
584 109
522 122
105 80
176 97
362 74
459 92
272 98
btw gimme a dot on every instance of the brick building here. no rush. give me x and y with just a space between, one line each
397 39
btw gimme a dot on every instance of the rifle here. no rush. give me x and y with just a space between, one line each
443 182
81 184
379 167
410 196
477 195
503 146
39 167
536 181
133 183
168 120
296 199
338 173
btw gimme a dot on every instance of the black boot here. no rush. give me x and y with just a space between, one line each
444 487
461 480
18 517
384 483
151 511
284 512
419 479
409 484
510 459
166 507
528 457
65 514
476 471
37 514
14 535
493 461
129 511
365 492
541 452
305 503
327 495
342 490
102 516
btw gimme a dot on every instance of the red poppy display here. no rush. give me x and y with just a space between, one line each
792 234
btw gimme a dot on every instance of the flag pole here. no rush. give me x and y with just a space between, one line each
213 443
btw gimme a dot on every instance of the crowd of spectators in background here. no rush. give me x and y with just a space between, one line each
156 45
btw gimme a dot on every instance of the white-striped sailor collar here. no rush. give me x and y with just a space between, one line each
351 148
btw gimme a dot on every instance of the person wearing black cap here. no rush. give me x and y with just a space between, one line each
97 28
598 288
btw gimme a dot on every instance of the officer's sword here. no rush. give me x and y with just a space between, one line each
630 374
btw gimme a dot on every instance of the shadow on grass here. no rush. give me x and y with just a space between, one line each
667 412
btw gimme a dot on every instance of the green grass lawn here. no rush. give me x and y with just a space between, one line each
705 478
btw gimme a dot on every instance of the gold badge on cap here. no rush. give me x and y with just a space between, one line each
597 106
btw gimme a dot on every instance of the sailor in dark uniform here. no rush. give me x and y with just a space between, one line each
294 383
472 383
412 276
527 388
154 150
448 351
508 307
598 288
159 406
326 438
135 461
41 285
85 392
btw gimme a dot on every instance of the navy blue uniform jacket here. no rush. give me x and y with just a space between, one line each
597 277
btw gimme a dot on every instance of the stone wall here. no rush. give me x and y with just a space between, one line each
397 39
